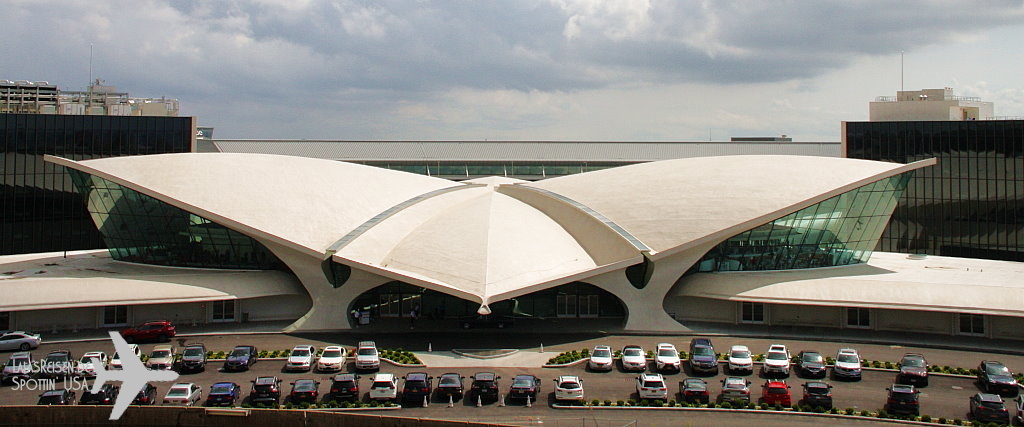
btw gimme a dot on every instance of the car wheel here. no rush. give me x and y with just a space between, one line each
162 338
25 346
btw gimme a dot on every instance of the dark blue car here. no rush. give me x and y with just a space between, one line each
241 358
703 358
223 394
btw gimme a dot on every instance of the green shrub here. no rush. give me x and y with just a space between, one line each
726 405
830 361
620 403
607 402
926 418
882 413
888 365
671 402
865 414
849 411
778 407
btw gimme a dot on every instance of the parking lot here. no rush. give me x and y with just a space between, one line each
944 397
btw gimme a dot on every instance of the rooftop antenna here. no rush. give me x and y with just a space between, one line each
901 71
90 64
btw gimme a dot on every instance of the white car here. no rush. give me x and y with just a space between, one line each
634 358
740 360
19 340
85 366
300 358
115 361
666 358
18 366
332 359
776 361
183 394
568 387
366 356
384 387
651 386
847 364
601 359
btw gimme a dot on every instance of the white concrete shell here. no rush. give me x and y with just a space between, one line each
489 239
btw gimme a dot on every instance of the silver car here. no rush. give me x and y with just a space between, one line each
19 340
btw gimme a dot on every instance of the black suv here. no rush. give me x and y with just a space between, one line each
344 386
146 396
265 390
913 370
58 364
193 358
241 358
903 399
810 365
994 378
416 387
523 387
61 396
485 385
817 393
703 358
106 396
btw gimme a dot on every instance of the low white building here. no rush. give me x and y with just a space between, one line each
928 105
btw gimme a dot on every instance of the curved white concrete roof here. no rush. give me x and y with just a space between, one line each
674 204
888 280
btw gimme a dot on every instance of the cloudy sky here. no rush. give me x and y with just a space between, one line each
523 69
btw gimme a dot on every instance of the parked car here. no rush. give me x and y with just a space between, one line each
913 370
734 388
569 388
304 390
995 377
847 364
193 358
105 396
19 340
651 386
485 385
416 387
300 358
601 359
903 399
58 363
146 396
265 390
367 357
776 392
817 393
156 330
666 358
810 364
223 394
740 360
18 366
703 358
183 394
115 360
332 359
384 387
988 408
60 396
523 387
633 358
86 368
161 358
450 385
693 390
776 361
345 387
241 358
1020 410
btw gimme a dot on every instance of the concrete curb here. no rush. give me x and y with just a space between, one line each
379 408
404 365
748 411
565 365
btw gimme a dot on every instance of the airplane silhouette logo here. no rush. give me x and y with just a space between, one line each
133 376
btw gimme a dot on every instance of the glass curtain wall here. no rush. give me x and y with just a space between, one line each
139 228
841 230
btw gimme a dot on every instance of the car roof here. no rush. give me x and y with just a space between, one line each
93 353
334 347
302 346
416 376
450 374
265 380
181 385
651 377
384 377
847 351
345 377
699 381
367 344
307 380
739 348
246 347
564 378
198 344
224 383
665 344
162 347
902 388
485 376
632 346
602 347
816 384
21 354
56 392
989 397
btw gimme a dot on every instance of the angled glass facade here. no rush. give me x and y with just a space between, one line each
841 230
139 228
971 204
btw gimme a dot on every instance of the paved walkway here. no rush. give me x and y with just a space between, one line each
521 359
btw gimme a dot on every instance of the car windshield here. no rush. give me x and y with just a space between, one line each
903 395
602 353
632 352
331 353
190 352
817 389
220 388
300 352
367 352
776 390
653 384
994 369
913 362
305 386
848 358
17 362
777 356
667 352
239 352
998 406
449 381
735 385
811 358
740 354
87 359
522 382
159 354
703 351
383 384
175 392
569 385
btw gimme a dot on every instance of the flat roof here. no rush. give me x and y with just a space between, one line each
887 281
93 279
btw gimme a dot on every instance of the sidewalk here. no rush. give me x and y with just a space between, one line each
521 359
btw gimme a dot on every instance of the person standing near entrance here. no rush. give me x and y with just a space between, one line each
355 317
412 318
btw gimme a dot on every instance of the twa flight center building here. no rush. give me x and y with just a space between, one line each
763 239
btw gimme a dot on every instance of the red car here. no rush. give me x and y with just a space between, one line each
157 330
776 393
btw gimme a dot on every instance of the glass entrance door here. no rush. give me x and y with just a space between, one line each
565 305
589 305
390 305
